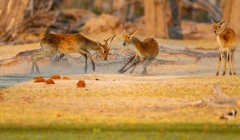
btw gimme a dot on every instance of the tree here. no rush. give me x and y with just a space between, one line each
154 15
174 25
231 14
11 15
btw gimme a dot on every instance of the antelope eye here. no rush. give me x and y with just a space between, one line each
104 51
129 37
219 26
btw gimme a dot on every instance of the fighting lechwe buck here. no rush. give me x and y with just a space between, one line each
226 40
147 50
67 43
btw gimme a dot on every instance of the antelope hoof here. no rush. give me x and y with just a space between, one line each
230 73
223 73
234 73
120 71
144 72
217 73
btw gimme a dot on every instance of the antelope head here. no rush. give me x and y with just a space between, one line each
217 27
128 37
105 47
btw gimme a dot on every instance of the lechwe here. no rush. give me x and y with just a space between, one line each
68 43
146 50
226 40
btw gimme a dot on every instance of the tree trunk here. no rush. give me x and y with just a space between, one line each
231 16
11 14
160 15
130 12
155 13
174 24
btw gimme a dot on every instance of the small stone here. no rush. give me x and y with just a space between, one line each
66 78
80 84
50 81
39 80
56 76
1 96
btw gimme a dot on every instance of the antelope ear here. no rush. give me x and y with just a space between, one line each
222 22
134 32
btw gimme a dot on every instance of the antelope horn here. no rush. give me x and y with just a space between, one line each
213 21
112 40
131 27
222 19
107 39
124 31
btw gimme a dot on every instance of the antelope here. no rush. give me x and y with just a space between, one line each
146 50
53 44
226 40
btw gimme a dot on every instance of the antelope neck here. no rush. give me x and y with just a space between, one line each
92 44
138 44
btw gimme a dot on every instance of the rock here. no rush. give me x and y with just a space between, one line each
39 80
56 76
81 84
66 78
50 81
1 96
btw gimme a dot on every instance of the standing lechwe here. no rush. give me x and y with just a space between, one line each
226 40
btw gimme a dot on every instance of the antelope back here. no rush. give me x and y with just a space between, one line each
63 42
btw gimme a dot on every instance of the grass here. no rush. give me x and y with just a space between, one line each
139 110
115 108
121 131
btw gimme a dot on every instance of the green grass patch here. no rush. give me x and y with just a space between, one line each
121 131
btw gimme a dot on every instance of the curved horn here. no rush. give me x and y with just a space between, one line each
124 31
112 40
222 19
213 22
131 27
108 39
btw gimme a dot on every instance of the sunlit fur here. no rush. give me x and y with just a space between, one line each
226 40
67 43
146 51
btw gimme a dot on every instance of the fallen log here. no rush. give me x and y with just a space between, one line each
23 42
187 52
219 100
